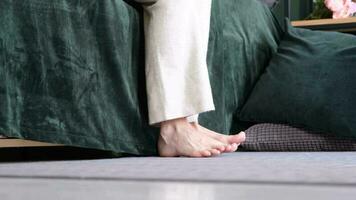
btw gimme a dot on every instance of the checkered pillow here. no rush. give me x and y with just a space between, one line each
277 137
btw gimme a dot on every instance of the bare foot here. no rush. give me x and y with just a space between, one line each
232 141
181 138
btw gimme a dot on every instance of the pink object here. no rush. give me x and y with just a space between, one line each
341 8
353 8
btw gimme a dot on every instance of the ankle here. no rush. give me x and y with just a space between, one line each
174 122
172 127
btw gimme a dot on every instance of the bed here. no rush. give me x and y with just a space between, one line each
72 72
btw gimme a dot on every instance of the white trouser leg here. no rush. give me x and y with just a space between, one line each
177 34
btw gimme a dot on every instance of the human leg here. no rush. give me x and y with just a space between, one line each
177 33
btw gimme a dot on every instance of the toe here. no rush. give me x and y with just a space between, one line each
238 138
196 154
234 147
221 148
206 153
228 148
216 144
215 152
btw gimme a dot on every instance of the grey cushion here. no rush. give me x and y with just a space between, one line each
277 137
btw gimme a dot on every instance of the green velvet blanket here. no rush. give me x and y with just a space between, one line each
72 71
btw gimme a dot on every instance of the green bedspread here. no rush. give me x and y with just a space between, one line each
72 71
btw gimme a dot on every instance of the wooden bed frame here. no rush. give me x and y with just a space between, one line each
12 143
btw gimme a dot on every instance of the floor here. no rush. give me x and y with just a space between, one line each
241 175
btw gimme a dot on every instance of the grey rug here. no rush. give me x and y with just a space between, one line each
241 167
